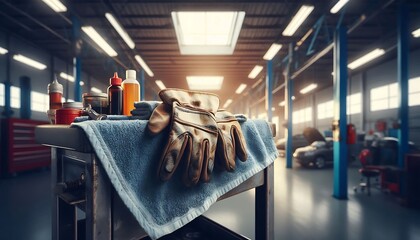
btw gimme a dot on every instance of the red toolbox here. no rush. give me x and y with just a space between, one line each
19 151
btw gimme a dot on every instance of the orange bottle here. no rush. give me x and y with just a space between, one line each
131 92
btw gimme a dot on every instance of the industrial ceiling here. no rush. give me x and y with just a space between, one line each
148 22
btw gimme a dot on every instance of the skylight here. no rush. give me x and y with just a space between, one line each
205 82
207 33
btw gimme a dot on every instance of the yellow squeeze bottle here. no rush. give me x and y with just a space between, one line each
131 92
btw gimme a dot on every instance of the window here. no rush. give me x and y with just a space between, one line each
15 97
303 115
414 92
354 103
39 102
2 94
385 97
325 110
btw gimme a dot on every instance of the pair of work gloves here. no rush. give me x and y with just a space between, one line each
200 135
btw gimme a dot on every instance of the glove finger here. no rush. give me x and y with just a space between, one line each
170 160
194 163
239 143
208 162
159 119
226 152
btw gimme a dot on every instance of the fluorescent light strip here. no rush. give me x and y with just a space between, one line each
3 51
96 90
67 77
241 88
144 65
205 82
338 6
272 51
94 35
29 62
56 5
124 35
366 58
160 84
227 103
416 33
308 88
298 19
255 71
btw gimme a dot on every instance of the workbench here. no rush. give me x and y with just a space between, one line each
85 205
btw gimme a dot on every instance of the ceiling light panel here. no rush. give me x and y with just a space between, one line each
416 33
207 33
144 65
205 82
96 90
255 71
56 5
338 6
66 76
241 88
272 51
117 26
160 84
3 51
298 19
227 103
29 62
308 88
99 40
366 58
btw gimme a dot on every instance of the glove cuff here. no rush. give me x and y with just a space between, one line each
206 101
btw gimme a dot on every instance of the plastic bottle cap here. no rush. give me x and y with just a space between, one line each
130 74
55 86
115 80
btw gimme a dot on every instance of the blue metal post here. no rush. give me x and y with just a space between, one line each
340 99
77 61
142 86
269 90
7 84
289 108
403 58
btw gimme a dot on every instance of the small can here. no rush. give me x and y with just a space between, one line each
98 102
68 112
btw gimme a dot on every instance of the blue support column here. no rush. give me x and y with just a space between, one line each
77 73
269 90
289 108
403 58
7 84
340 116
142 86
77 61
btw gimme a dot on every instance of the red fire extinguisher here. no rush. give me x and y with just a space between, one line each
351 134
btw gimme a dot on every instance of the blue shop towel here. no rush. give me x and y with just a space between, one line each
130 156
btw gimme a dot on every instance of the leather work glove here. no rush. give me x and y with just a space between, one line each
161 115
192 135
230 141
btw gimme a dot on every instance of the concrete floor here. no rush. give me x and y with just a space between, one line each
304 209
